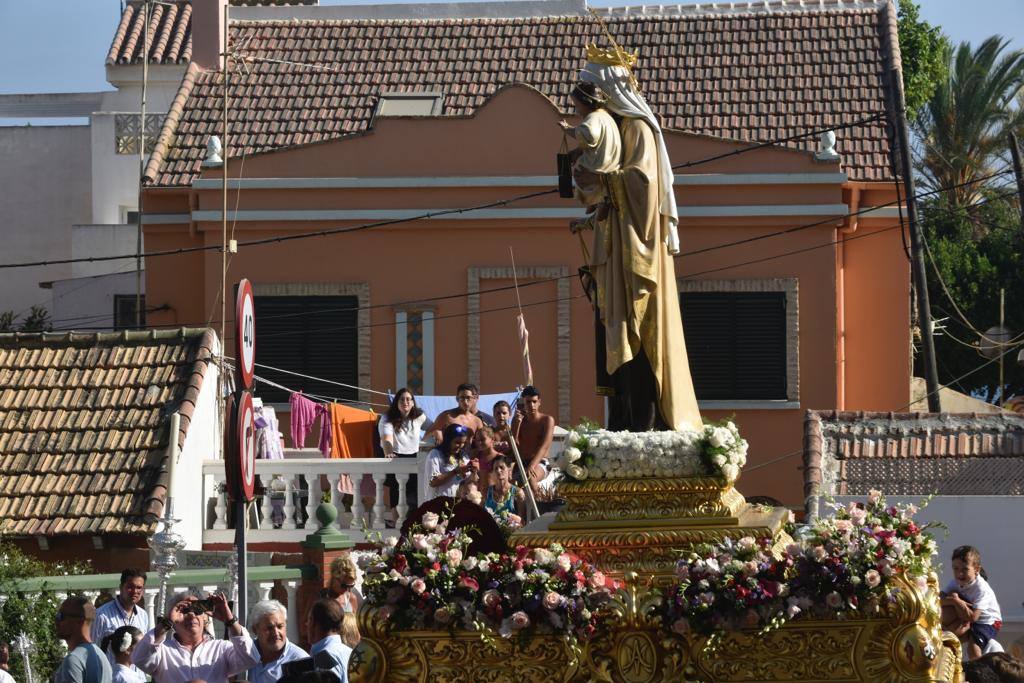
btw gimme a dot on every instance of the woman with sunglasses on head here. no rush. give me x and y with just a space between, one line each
448 464
399 430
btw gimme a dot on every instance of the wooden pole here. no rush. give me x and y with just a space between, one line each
1015 153
898 119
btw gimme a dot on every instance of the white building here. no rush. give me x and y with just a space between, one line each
71 191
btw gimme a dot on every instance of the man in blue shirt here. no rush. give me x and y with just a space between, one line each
268 621
85 662
124 610
325 633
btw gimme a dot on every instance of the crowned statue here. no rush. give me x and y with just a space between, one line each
624 178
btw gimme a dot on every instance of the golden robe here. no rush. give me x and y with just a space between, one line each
636 279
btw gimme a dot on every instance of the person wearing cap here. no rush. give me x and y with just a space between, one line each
447 464
85 661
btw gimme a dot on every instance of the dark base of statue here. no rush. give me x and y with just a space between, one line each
632 391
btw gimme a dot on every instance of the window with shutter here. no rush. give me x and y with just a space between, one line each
736 342
311 335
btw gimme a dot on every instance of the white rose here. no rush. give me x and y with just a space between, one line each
469 563
572 454
731 472
429 520
576 472
719 460
720 437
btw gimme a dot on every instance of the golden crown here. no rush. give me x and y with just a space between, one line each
615 56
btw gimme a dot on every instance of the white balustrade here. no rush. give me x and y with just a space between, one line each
289 504
402 506
313 495
292 587
150 601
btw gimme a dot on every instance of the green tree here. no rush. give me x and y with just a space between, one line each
974 266
963 127
37 320
31 613
921 52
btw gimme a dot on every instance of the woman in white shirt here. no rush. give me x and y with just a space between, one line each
399 431
447 465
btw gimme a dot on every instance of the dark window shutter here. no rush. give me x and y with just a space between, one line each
736 342
311 335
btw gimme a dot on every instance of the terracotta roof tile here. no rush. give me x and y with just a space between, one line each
913 453
750 77
170 35
82 439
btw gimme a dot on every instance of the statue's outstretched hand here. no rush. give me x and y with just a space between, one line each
564 125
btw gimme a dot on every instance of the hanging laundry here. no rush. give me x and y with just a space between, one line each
268 433
303 414
352 437
432 406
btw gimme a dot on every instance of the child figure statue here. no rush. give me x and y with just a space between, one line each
599 147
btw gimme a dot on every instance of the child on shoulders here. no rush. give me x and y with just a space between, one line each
969 605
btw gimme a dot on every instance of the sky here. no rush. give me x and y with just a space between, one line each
60 45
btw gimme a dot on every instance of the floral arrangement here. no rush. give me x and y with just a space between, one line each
843 567
715 450
429 581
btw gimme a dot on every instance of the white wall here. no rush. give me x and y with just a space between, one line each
102 240
45 184
201 443
992 524
88 303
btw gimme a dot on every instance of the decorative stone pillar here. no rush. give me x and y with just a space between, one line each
319 549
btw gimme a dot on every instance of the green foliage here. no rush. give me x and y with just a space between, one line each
31 613
977 251
963 128
37 320
922 51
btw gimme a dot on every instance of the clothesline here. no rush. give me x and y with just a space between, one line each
317 397
320 379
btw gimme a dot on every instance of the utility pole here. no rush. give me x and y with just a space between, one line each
898 120
142 164
1015 152
1002 353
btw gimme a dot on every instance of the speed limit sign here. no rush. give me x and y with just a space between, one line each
241 457
245 333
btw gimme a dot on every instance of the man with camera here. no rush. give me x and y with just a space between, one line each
180 649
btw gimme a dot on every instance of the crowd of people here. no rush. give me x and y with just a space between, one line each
474 452
115 644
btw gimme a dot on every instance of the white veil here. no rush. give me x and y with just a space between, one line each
624 100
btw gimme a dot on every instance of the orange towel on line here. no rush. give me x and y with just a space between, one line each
352 437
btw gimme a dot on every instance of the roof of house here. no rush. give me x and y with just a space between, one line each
84 422
738 75
848 453
170 34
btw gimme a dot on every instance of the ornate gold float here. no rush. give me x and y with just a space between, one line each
634 529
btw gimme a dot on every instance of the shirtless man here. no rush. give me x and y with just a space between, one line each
532 431
467 395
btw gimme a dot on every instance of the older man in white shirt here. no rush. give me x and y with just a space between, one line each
179 649
269 622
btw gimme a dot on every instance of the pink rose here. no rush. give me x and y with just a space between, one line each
418 586
834 600
552 600
844 526
872 578
491 598
442 615
819 553
858 515
430 520
681 626
564 562
874 495
683 572
513 521
454 556
470 583
520 620
597 580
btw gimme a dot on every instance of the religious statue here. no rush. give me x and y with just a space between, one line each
642 362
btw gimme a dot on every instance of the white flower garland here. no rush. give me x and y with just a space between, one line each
714 450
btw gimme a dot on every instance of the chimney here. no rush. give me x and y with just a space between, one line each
208 33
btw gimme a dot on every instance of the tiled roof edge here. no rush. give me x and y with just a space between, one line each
204 355
163 141
760 7
92 338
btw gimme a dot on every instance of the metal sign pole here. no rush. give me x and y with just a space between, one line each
241 522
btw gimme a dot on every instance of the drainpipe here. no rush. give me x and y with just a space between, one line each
850 226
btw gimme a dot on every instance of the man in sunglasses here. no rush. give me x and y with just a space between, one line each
464 414
85 662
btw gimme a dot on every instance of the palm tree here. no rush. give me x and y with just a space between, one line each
963 127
